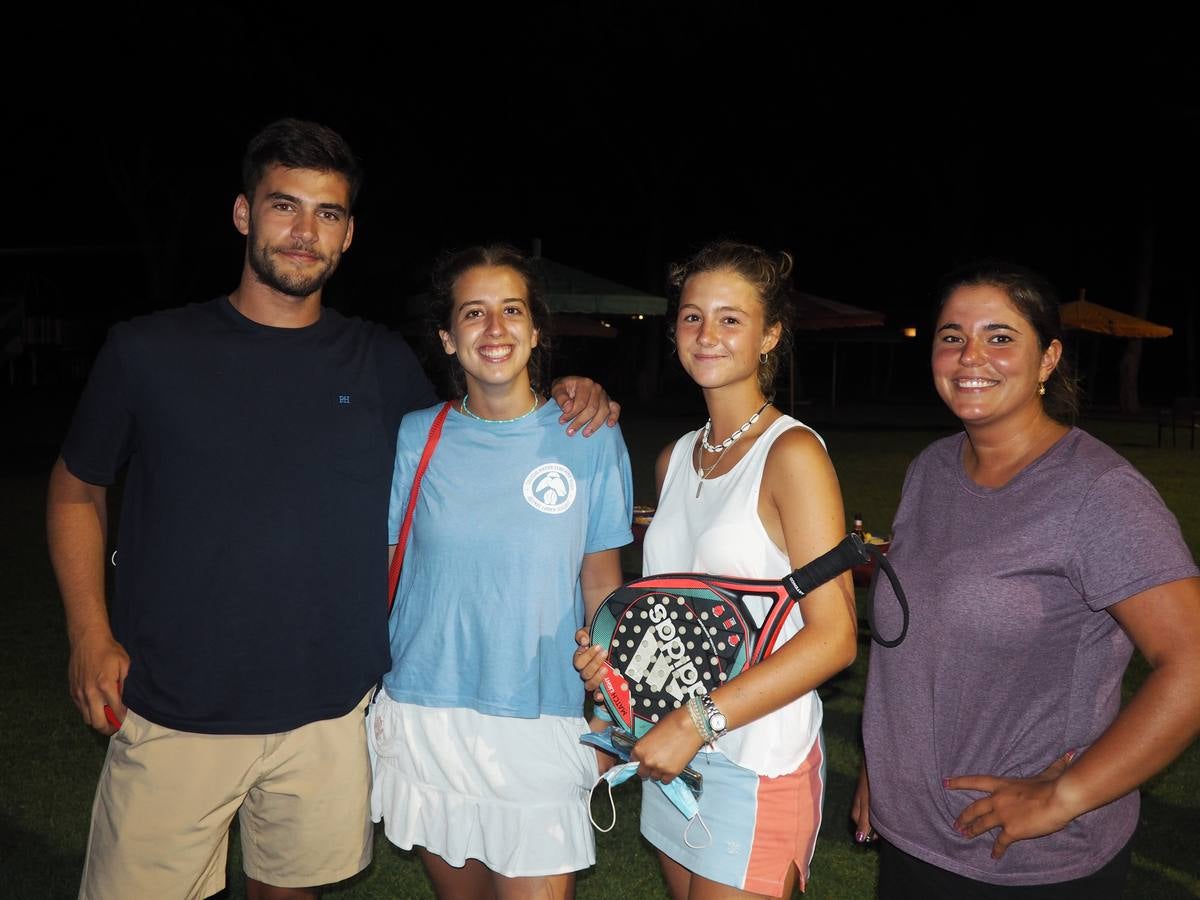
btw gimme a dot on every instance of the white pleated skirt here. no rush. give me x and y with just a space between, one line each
511 793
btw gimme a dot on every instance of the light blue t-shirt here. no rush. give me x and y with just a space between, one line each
490 598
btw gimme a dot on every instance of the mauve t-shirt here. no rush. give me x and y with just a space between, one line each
1011 658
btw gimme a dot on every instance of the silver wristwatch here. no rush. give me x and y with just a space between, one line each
717 722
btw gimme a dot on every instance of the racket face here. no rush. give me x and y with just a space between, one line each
669 637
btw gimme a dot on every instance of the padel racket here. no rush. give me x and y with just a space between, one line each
673 636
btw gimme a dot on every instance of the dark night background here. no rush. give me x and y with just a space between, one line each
880 150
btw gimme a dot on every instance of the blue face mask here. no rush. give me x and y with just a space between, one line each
683 797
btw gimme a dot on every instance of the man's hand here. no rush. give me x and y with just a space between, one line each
584 403
95 676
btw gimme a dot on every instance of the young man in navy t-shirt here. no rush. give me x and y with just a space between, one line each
248 622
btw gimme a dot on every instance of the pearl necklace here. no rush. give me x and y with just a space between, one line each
722 447
536 400
732 439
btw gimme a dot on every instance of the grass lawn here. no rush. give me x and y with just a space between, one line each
51 759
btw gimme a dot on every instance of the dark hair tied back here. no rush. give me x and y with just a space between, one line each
1037 302
451 266
770 276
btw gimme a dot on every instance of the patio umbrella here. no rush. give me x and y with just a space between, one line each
576 293
1080 315
813 313
570 290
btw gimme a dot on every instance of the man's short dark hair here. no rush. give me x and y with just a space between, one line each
297 144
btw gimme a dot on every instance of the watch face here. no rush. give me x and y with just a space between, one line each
717 722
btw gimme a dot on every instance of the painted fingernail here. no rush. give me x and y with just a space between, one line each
1071 754
946 782
859 837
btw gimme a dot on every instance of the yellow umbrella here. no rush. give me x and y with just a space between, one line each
1084 316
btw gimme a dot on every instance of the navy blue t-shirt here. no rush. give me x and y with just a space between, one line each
251 565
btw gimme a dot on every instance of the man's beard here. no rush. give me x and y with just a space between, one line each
294 284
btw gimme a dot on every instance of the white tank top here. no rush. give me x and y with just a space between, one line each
720 533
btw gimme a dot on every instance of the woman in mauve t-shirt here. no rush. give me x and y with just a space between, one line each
999 761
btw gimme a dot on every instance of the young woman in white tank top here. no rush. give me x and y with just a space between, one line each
751 494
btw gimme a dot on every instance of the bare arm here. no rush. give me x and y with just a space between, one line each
800 488
599 576
801 509
860 808
584 403
1158 724
76 530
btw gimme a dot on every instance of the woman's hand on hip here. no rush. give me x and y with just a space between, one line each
1021 808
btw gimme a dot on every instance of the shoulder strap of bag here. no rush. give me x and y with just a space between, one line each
435 434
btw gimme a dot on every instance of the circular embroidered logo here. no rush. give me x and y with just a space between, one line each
550 488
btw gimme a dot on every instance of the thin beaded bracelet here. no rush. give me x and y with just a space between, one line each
700 719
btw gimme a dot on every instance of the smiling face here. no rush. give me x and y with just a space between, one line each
987 364
491 328
297 226
720 329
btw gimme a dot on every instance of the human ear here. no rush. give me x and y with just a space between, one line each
771 337
447 342
1050 357
241 214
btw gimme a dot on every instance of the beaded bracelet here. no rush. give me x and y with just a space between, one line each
700 719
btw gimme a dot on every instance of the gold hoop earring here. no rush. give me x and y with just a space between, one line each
1041 389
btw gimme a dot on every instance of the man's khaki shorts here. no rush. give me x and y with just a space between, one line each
165 801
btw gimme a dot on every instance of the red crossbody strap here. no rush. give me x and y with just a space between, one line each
435 434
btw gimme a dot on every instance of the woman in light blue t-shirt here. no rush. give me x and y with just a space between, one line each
475 737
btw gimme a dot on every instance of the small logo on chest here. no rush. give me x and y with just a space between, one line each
343 399
550 488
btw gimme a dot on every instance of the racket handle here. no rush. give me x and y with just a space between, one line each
847 554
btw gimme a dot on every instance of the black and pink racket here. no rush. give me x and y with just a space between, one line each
676 635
